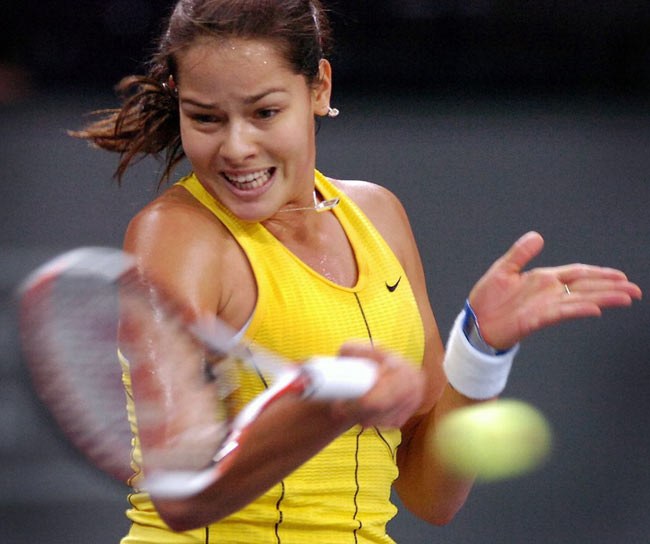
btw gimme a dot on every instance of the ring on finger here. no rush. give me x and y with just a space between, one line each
566 289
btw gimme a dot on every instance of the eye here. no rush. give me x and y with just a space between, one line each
204 119
267 113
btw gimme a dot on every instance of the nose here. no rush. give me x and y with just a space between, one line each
238 143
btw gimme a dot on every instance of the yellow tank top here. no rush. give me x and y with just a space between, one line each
342 495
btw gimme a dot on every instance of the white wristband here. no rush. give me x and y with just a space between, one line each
471 372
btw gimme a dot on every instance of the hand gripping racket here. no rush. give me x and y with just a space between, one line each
196 386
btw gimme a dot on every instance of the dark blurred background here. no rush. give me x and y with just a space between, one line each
486 117
474 45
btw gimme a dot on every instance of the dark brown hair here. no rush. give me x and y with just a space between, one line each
147 123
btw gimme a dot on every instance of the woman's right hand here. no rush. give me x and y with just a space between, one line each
395 397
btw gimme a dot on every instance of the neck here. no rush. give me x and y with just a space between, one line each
318 206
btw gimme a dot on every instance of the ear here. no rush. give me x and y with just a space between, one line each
322 88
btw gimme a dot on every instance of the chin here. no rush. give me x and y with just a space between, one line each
252 212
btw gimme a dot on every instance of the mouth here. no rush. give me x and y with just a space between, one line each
250 180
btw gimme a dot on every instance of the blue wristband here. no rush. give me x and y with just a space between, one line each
473 333
474 372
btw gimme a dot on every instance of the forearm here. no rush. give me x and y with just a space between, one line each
283 437
425 486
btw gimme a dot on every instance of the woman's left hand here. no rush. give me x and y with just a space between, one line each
511 304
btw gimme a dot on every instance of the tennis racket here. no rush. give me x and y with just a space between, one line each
194 386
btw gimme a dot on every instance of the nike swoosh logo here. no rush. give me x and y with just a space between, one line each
391 288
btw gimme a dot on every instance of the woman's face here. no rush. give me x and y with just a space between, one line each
247 124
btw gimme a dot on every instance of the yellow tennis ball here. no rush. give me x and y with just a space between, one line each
493 440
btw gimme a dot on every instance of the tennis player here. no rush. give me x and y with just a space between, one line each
304 264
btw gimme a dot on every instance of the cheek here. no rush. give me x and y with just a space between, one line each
294 142
196 148
186 141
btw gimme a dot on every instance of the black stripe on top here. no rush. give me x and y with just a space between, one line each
280 515
356 453
365 321
358 488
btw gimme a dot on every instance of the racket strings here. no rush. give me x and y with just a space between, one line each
199 386
189 386
69 333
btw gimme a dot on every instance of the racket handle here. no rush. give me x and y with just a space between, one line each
180 484
328 378
339 377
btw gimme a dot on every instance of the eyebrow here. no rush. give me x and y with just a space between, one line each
248 100
257 97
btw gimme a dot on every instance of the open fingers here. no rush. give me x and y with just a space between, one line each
603 285
585 297
581 279
573 272
551 314
524 250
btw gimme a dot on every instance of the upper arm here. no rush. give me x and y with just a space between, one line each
424 486
175 247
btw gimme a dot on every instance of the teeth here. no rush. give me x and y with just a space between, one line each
249 181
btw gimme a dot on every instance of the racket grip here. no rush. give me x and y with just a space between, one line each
179 484
339 377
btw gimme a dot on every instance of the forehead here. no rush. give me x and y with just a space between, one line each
239 58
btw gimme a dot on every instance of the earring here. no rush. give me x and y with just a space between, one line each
170 85
333 112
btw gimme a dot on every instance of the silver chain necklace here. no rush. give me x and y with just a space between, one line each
323 206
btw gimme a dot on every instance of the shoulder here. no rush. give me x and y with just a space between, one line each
368 195
181 246
383 209
174 204
174 223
